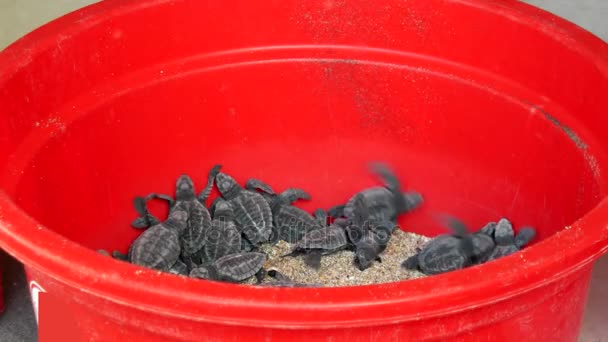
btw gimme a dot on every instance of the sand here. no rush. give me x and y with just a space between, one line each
338 269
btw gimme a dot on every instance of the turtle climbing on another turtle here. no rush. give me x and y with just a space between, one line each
252 213
290 222
199 220
223 238
507 242
445 253
232 268
386 202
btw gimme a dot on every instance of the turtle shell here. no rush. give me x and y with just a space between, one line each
524 236
199 222
380 202
326 239
483 245
442 254
293 223
222 239
158 247
252 216
239 266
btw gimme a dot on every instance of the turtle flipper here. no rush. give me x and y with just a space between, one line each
458 227
411 263
279 276
119 256
313 260
254 184
293 194
390 180
204 194
524 236
408 201
140 223
163 197
189 262
336 211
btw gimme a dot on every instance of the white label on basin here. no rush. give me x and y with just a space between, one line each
35 290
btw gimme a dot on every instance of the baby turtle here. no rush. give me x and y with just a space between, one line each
291 222
369 237
231 268
320 242
252 213
223 238
444 253
385 203
158 247
506 241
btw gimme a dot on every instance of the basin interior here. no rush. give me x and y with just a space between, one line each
474 151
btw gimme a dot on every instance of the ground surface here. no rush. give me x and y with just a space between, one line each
17 17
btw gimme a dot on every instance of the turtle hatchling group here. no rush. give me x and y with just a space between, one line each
222 242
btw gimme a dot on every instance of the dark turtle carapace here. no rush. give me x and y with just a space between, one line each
252 213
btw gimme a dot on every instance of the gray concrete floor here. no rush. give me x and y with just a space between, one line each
17 17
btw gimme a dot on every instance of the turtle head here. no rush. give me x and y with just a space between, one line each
223 210
184 188
365 256
503 233
226 184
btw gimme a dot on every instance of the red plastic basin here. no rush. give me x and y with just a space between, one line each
489 108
